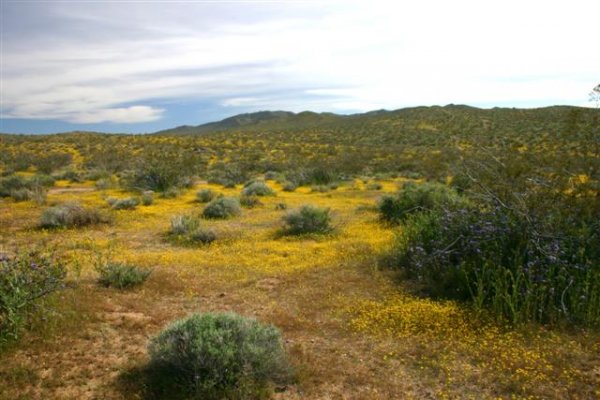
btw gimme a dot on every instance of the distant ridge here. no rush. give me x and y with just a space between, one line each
446 118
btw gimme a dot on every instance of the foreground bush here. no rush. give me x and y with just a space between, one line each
222 208
25 280
416 198
517 267
71 215
217 356
120 275
308 219
23 189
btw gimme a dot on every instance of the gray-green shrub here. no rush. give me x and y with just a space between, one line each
121 275
205 195
147 198
417 198
308 219
71 215
257 188
129 203
222 208
217 356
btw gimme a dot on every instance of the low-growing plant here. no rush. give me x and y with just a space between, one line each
257 188
129 203
147 198
187 229
281 206
217 356
184 224
414 198
250 201
106 183
308 219
205 195
222 208
289 186
374 186
121 275
25 279
71 215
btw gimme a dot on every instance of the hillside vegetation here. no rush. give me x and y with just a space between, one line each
430 252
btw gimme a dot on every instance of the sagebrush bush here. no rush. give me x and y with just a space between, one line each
308 219
257 188
22 189
129 203
217 356
205 195
374 186
25 279
417 198
71 215
516 267
121 275
222 208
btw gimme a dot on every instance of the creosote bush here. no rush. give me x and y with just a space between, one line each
121 275
222 208
71 215
25 279
308 219
217 356
417 198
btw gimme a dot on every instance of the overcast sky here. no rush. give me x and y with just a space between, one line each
141 66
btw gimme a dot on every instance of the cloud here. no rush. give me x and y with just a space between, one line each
126 115
118 62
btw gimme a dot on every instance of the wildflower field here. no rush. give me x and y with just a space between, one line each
359 313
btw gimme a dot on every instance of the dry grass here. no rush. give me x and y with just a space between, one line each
350 330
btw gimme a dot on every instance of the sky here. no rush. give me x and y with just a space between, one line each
142 66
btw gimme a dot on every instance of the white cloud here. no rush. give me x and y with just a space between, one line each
339 56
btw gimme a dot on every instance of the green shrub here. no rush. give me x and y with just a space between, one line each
120 275
129 203
148 198
171 193
184 224
71 215
308 219
25 280
18 185
106 183
519 268
222 208
289 186
281 206
217 356
320 188
417 198
202 235
250 201
205 195
257 188
187 229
